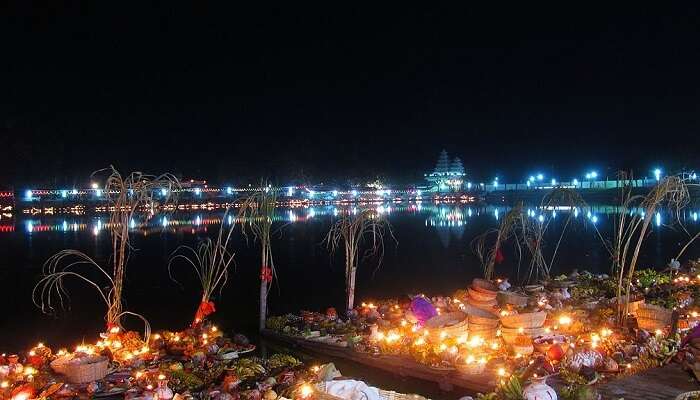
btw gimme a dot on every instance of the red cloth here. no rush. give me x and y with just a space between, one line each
205 308
266 274
499 256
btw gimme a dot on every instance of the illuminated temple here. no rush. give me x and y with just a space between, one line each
448 175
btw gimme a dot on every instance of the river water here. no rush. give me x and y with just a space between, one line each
432 254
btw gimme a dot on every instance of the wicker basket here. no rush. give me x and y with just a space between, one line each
525 320
453 324
82 373
688 395
649 324
484 305
484 332
649 311
481 295
525 350
473 368
490 322
513 298
478 283
510 334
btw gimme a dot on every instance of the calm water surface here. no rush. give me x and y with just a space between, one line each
432 255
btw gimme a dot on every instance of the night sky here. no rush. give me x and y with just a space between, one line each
333 92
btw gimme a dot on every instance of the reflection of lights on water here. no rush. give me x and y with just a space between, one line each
95 231
64 226
229 219
554 214
291 216
589 215
198 220
197 191
132 224
540 218
469 212
165 221
290 191
658 219
64 193
354 193
30 226
335 193
495 214
594 219
575 212
335 212
229 190
312 213
695 216
98 192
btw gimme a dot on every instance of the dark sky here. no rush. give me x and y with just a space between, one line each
234 94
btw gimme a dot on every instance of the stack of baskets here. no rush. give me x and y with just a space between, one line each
651 317
452 324
482 294
531 325
481 322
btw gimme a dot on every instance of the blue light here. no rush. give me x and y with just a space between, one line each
230 219
531 179
165 221
695 216
198 220
589 215
694 176
197 191
594 174
554 181
575 182
575 212
164 192
28 194
528 183
594 219
469 185
354 193
30 226
229 190
495 213
335 193
588 175
657 174
469 212
98 192
311 193
64 193
540 218
540 177
64 226
290 191
658 219
132 223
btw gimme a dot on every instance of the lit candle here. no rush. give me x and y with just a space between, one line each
564 320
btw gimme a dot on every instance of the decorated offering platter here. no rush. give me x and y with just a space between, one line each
565 328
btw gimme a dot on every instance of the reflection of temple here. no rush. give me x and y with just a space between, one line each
448 223
448 176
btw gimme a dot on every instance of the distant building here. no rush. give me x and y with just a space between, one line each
448 175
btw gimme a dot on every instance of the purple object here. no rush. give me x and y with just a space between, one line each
422 309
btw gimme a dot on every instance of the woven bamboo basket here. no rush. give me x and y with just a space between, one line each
491 322
473 368
650 311
478 283
513 298
510 334
484 332
649 324
525 320
484 305
82 373
688 395
481 295
453 324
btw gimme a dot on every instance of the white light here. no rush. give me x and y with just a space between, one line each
495 213
594 219
354 192
588 175
418 192
197 191
98 192
589 215
198 220
528 183
575 212
695 216
594 174
693 176
64 226
540 177
28 194
658 219
575 182
469 185
335 193
290 191
229 190
165 221
94 185
64 193
657 174
531 179
540 218
554 181
132 224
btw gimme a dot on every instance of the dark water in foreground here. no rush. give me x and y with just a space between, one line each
433 255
